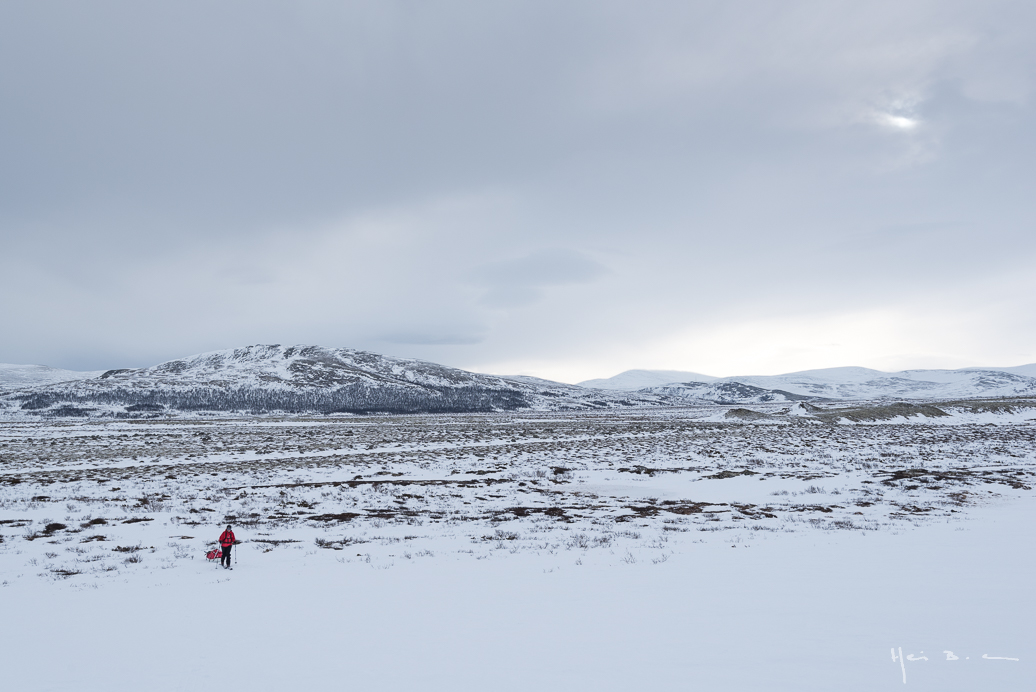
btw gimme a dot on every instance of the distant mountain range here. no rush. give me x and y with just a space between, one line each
313 379
846 383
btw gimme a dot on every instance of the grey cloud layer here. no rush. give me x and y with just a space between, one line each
474 182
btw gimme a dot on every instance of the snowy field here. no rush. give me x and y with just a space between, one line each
677 549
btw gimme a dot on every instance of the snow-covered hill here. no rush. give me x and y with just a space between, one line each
861 383
1027 370
846 383
722 393
639 379
263 379
21 376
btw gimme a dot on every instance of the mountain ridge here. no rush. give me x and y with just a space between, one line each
855 383
297 379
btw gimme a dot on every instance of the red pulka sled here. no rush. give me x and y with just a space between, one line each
214 555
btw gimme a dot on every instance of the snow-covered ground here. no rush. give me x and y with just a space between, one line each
598 551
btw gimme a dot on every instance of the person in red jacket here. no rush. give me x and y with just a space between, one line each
226 542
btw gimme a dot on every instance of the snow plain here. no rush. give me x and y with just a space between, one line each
599 551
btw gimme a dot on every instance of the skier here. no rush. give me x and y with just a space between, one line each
226 541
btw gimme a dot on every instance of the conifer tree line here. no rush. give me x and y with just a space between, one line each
357 398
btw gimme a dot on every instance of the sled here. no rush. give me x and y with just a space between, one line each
214 555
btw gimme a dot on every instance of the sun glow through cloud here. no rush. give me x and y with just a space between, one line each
897 122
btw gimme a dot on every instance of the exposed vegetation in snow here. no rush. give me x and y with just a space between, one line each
86 500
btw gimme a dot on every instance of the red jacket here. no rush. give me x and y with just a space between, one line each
226 539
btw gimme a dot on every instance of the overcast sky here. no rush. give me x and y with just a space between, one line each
561 189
